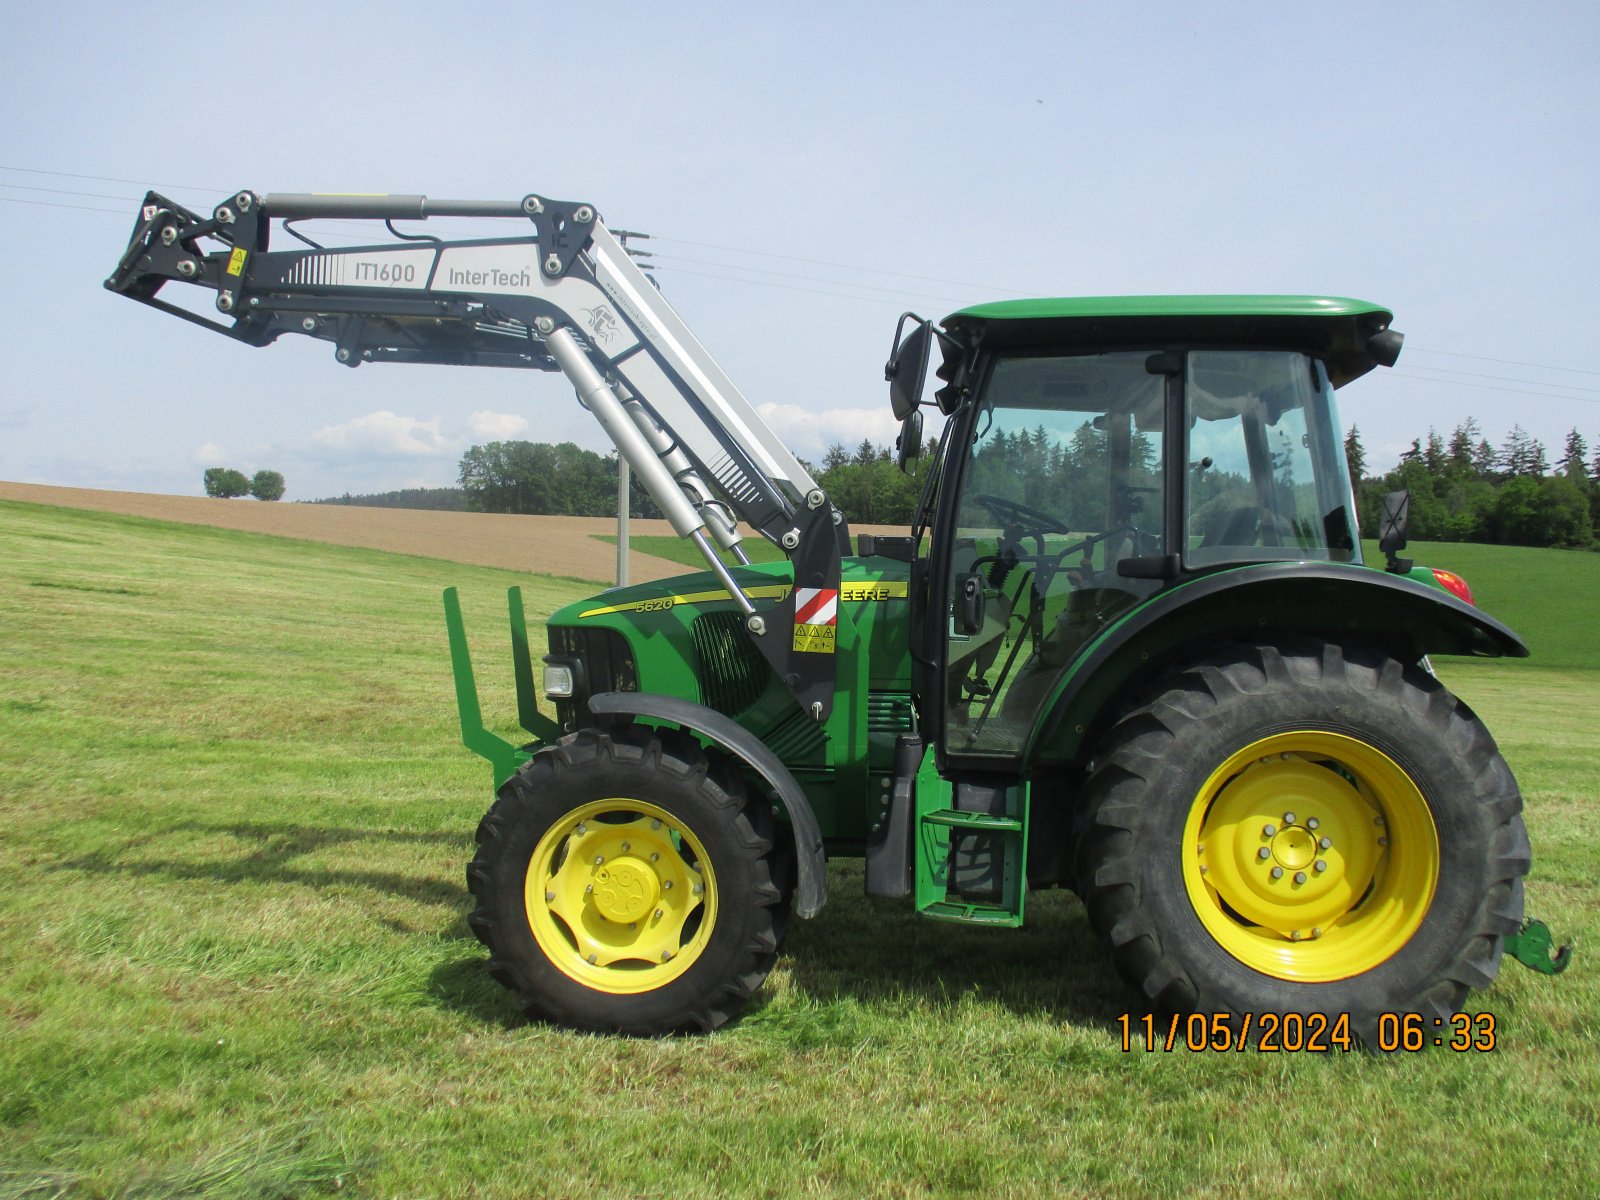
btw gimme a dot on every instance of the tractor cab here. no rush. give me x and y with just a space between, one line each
1101 451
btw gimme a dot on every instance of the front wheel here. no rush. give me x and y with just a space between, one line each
1307 829
624 884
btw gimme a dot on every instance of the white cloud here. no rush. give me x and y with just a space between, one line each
209 454
496 426
809 433
387 434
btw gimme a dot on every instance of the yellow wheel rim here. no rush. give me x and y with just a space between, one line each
1310 856
620 896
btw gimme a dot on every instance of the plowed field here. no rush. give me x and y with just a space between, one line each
542 545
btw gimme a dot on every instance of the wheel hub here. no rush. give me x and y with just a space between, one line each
620 896
625 889
1292 868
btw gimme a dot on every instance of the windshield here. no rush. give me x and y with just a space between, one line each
1061 482
1267 477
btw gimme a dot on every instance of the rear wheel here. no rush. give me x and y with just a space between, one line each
622 883
1306 829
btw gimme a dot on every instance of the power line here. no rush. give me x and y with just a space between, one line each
819 262
840 283
1489 387
115 212
187 187
1566 387
1510 362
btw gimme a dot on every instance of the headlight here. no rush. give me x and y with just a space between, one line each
558 681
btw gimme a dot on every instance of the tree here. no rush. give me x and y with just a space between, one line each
224 483
1572 464
1355 456
1462 449
528 477
267 485
1523 454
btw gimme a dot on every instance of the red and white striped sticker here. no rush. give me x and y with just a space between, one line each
816 613
816 606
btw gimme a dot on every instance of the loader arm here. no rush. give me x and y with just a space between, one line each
556 291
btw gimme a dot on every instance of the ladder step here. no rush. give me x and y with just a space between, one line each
981 822
972 914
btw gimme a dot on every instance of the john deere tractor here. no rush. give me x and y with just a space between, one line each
1128 646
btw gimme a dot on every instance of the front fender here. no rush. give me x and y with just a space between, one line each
811 888
1328 601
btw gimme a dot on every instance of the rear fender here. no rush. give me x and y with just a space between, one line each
1327 601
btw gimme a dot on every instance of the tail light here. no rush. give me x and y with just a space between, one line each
1454 584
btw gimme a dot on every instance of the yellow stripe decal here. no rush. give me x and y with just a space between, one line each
773 591
850 593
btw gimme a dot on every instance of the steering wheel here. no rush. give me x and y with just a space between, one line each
1034 523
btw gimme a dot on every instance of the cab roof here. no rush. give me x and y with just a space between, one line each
1334 328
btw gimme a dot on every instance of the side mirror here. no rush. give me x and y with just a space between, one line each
907 368
1392 529
908 446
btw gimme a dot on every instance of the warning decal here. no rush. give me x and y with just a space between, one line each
236 261
816 617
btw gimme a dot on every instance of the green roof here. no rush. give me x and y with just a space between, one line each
1337 330
1168 306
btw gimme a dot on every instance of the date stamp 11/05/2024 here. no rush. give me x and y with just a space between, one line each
1466 1033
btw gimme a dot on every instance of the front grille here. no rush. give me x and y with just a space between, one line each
608 666
732 672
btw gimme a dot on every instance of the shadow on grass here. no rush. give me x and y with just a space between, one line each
274 859
880 955
876 953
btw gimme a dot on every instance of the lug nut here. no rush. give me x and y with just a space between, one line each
588 890
655 857
1383 841
583 827
1325 843
666 885
1268 830
655 824
1288 818
665 955
1263 854
625 847
1319 866
1294 936
1277 872
1312 822
658 914
700 887
593 958
598 859
1299 876
1317 932
549 896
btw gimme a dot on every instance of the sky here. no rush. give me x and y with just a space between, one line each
807 173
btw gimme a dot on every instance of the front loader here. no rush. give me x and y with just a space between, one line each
1129 645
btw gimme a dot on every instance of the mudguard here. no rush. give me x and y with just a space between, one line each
811 888
1330 601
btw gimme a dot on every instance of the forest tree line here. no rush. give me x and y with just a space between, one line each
1463 487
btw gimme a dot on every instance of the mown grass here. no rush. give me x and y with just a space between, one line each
234 958
675 549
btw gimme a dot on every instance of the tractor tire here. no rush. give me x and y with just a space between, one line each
1306 829
622 884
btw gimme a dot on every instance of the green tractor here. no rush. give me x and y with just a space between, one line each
1128 647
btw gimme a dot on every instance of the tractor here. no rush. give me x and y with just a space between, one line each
1129 645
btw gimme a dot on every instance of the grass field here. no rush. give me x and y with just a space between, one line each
234 958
